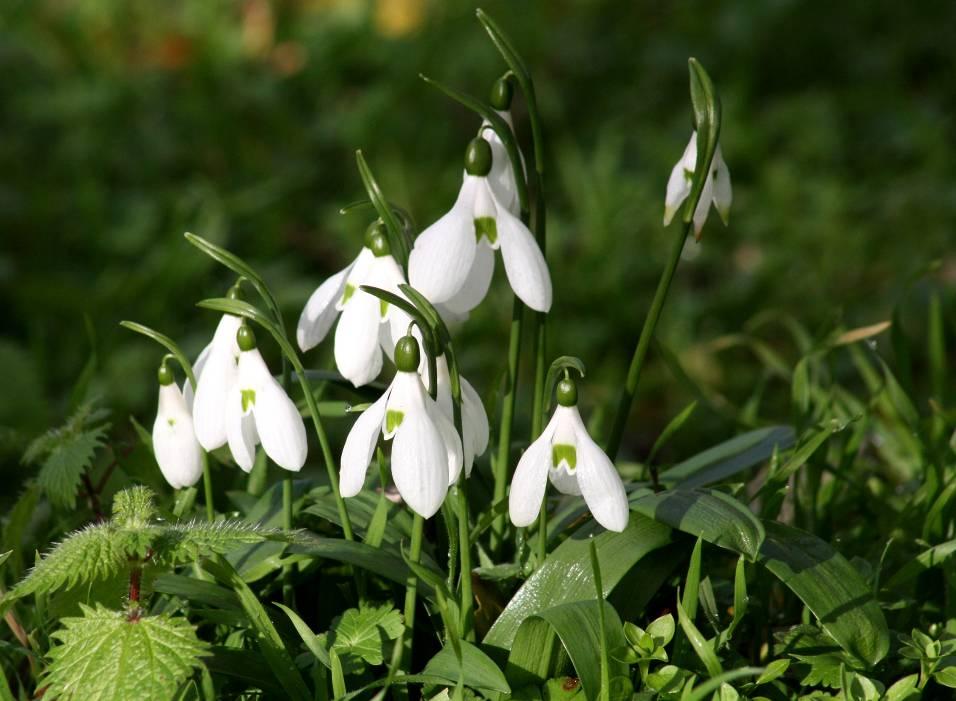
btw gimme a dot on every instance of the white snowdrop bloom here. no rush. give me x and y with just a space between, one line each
259 410
367 324
174 440
426 450
474 420
502 175
575 464
717 188
452 261
215 371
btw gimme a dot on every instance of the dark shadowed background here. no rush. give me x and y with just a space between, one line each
122 125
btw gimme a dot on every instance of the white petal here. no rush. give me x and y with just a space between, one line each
723 192
359 447
420 464
525 265
359 273
449 437
209 405
477 282
600 484
703 205
678 185
530 479
564 477
502 177
357 353
443 254
198 365
475 421
241 431
320 311
407 397
174 442
279 425
387 275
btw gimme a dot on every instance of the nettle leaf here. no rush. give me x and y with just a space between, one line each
187 542
820 659
109 656
65 453
93 553
363 632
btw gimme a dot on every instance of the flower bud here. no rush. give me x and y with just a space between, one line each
502 92
567 392
407 355
376 239
245 338
478 157
165 375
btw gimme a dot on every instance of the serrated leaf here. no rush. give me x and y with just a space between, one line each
363 632
60 474
187 542
133 508
86 555
106 656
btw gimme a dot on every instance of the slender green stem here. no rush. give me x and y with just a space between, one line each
464 538
411 593
604 694
644 341
501 464
287 589
207 487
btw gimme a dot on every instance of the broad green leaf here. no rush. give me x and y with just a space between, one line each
714 516
729 458
197 591
773 670
566 575
904 689
363 632
247 666
111 656
476 669
830 587
267 637
575 625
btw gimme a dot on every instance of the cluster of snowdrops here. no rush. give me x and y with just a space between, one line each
238 402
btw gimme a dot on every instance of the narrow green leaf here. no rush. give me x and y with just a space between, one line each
395 232
672 427
566 575
711 685
267 637
933 557
699 643
830 587
707 113
167 343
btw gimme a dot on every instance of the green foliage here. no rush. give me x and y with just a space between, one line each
363 632
66 453
114 656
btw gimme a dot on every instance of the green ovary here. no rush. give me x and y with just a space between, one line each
487 227
565 452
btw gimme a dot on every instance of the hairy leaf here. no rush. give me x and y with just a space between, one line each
109 656
363 632
187 542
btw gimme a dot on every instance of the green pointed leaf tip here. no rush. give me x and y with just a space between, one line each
134 507
707 111
109 656
364 632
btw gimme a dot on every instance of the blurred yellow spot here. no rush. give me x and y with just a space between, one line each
396 18
258 27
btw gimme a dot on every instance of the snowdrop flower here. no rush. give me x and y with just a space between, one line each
258 409
453 259
717 187
501 177
174 442
215 371
565 453
367 324
474 420
426 450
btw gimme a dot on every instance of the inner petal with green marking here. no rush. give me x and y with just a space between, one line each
382 308
567 453
487 227
393 419
248 398
349 291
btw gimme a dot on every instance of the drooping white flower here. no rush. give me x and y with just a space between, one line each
452 261
215 371
575 464
174 440
259 410
717 188
501 177
367 324
474 420
426 450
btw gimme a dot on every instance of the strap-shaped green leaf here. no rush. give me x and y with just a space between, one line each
707 111
396 233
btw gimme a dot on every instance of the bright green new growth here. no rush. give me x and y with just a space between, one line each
363 632
132 537
67 453
111 656
487 227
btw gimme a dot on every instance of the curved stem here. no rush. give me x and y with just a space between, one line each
501 463
644 342
411 593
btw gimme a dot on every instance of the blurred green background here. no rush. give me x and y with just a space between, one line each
122 125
